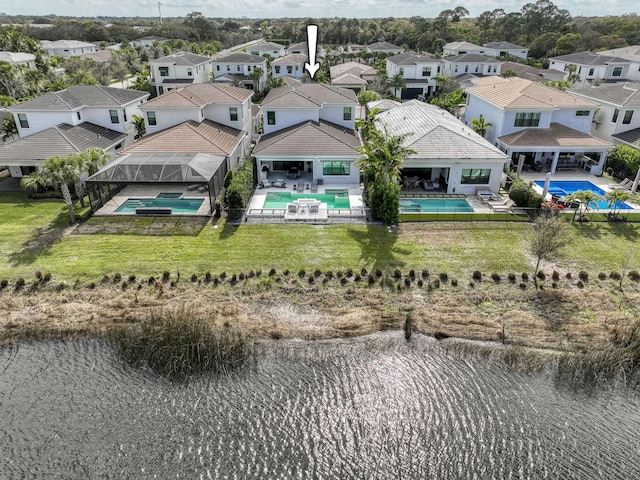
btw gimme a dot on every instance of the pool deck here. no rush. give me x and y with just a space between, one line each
152 191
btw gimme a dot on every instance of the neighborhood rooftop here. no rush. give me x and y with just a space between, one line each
183 59
411 58
622 94
241 58
307 95
199 94
589 58
293 59
79 96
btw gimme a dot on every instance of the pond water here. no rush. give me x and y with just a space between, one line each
374 407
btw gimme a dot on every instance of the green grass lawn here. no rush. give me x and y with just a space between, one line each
31 239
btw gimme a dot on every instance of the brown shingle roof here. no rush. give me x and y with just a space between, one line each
517 92
309 94
557 135
309 138
191 137
199 95
293 59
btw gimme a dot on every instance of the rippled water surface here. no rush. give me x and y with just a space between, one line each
368 408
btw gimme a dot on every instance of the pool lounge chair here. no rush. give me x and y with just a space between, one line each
623 185
498 202
279 184
504 207
292 208
485 195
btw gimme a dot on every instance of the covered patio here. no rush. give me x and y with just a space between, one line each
555 149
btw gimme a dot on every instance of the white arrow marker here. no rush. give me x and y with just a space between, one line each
312 40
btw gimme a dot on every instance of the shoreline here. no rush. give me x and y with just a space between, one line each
562 319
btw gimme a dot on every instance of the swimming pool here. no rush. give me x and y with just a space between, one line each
177 205
567 187
335 199
449 205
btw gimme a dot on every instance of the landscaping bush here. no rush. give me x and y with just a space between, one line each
116 278
584 276
371 280
623 161
477 275
496 277
580 284
602 276
47 277
240 187
541 275
378 272
443 277
523 286
132 278
166 275
363 272
425 274
317 273
397 273
568 276
512 277
194 278
554 285
525 277
435 283
615 276
301 273
454 282
38 275
19 284
634 275
420 283
412 273
3 284
151 280
524 195
207 277
272 272
555 276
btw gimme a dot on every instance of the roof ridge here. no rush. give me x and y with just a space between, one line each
65 137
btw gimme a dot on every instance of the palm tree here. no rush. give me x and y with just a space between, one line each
9 128
480 126
256 76
138 123
615 199
397 82
587 198
55 171
367 125
88 161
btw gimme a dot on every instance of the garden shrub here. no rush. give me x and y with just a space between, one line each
240 188
477 275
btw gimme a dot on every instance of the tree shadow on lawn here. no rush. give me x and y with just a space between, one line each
628 231
592 231
42 239
377 247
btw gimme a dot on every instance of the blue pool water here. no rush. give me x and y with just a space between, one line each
566 187
336 199
449 205
177 205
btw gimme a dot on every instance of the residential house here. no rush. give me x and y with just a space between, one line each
385 48
550 128
618 118
274 50
67 48
532 73
630 53
24 155
448 155
289 66
505 49
353 75
180 69
101 56
460 48
108 107
19 58
310 128
592 68
301 48
472 64
419 72
222 104
236 69
147 41
382 105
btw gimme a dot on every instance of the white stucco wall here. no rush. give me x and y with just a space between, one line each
288 117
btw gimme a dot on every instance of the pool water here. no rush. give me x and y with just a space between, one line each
177 205
419 205
335 199
567 187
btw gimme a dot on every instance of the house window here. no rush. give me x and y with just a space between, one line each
217 68
627 117
114 116
455 69
289 69
124 115
426 71
616 112
478 67
495 69
271 118
228 68
248 68
238 68
591 72
617 71
233 114
151 118
79 116
22 118
277 69
189 72
336 168
346 114
527 119
466 68
438 70
582 113
401 70
475 176
164 71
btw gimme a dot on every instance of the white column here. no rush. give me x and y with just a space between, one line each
603 157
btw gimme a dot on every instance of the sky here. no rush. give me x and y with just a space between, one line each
298 8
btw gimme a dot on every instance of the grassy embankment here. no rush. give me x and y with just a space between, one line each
312 282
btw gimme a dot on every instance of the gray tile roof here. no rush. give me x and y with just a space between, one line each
530 73
182 58
378 46
61 141
241 58
589 58
621 94
291 59
632 53
631 137
308 94
411 58
504 46
470 58
265 46
79 96
556 136
199 95
462 46
309 138
435 134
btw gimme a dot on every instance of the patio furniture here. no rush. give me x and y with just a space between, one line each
191 188
505 207
292 207
280 183
501 201
314 207
293 173
484 194
314 186
153 211
623 185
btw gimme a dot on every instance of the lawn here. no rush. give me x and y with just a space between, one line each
31 238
